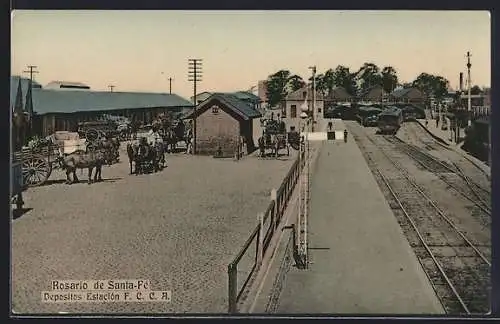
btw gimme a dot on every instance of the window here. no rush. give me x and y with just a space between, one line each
304 94
215 109
293 111
283 112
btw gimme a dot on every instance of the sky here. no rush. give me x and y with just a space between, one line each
140 50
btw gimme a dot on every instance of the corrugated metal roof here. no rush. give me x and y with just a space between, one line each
241 107
245 95
239 104
55 101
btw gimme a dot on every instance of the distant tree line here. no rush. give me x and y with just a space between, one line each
284 82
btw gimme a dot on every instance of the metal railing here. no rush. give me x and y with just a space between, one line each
261 236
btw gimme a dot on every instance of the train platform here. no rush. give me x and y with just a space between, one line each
360 261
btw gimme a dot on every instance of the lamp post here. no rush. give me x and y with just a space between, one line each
304 192
469 122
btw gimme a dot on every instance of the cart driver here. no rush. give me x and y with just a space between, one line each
154 136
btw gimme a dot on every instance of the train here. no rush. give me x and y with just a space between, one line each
390 120
477 139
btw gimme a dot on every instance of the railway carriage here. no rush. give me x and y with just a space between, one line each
390 120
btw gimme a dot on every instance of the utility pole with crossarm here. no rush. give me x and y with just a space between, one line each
194 67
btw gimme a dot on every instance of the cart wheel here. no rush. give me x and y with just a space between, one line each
36 170
92 135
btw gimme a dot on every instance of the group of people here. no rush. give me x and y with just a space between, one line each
154 137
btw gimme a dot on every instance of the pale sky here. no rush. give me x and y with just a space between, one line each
130 49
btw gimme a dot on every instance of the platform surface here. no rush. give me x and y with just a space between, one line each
361 263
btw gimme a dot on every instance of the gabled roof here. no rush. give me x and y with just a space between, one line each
245 95
55 101
339 92
400 93
201 96
240 107
368 90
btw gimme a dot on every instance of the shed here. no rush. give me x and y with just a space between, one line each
220 121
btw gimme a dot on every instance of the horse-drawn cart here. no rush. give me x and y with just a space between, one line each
39 159
94 130
275 138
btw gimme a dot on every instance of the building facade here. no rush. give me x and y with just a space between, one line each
294 101
220 122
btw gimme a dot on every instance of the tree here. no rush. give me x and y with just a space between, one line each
295 83
389 79
432 85
370 75
320 83
280 84
476 90
342 77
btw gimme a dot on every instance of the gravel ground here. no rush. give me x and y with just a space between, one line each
179 228
413 133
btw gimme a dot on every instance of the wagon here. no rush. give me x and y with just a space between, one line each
275 137
94 130
38 161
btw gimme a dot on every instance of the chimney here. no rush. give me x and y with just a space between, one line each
461 81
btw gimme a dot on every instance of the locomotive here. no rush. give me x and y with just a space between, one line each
390 120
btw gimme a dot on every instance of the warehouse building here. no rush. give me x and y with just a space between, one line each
62 105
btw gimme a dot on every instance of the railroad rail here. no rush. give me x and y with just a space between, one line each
431 141
457 269
443 170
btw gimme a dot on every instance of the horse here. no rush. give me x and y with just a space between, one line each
145 156
81 160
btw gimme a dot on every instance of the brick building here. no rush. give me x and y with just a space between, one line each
220 121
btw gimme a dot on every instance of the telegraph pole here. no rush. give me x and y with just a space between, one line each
194 75
31 71
170 85
313 68
469 104
111 87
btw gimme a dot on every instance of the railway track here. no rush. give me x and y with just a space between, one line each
455 265
431 144
452 175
